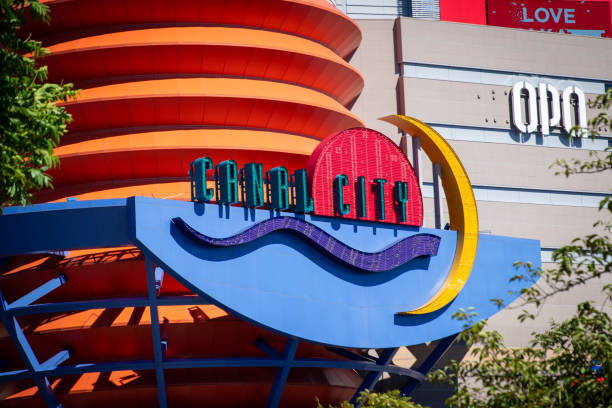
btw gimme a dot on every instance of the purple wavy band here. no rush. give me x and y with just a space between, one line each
396 255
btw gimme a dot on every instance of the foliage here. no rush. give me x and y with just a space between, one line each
586 258
570 363
389 399
597 164
567 365
30 121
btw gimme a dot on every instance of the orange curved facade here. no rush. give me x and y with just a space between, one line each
162 80
163 83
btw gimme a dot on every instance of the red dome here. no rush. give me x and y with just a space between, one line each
349 152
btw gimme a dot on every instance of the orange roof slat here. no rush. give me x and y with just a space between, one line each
299 17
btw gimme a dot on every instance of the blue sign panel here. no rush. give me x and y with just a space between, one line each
291 285
316 278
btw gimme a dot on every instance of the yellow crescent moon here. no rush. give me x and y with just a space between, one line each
461 208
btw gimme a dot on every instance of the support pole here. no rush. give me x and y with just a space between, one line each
416 155
430 361
157 345
28 356
416 159
372 377
57 359
282 374
39 292
437 199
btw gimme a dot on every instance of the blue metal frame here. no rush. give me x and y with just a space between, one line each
39 292
286 285
27 354
307 295
205 363
144 222
53 367
372 377
431 360
157 344
267 348
282 374
350 355
105 304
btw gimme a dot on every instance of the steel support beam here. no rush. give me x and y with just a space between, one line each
429 362
27 354
157 346
372 377
209 363
281 376
356 365
57 359
349 354
267 348
20 340
15 375
105 304
39 292
99 368
46 391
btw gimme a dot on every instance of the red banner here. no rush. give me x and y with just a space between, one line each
558 16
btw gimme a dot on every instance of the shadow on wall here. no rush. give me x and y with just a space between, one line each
427 394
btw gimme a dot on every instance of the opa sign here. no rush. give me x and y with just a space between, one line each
540 111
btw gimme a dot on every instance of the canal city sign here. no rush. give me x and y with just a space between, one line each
359 190
350 262
334 253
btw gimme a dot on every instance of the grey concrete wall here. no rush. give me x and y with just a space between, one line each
553 226
523 166
505 49
375 59
558 308
463 103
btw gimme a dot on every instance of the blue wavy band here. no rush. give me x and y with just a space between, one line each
393 256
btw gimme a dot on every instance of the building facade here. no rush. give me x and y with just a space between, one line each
459 78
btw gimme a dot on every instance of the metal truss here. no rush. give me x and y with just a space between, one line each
431 360
283 361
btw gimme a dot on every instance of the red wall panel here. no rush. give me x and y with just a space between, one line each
464 11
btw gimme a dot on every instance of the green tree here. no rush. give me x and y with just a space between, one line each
570 363
31 123
389 399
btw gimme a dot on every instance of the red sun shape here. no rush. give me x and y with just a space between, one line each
363 152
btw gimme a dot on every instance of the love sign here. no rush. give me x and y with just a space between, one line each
566 17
